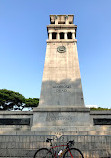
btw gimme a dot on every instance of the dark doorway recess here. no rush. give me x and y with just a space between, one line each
54 35
69 35
61 35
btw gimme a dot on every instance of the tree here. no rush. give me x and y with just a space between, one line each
10 100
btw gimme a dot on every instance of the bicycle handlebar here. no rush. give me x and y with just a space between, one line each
69 143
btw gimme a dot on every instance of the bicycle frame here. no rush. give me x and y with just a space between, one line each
54 152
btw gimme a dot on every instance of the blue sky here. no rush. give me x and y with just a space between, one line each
23 37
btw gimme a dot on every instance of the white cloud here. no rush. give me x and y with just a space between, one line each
92 106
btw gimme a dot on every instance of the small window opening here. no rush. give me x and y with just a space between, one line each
70 23
52 22
54 35
61 35
69 35
61 22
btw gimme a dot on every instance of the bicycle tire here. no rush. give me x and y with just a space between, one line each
43 153
73 153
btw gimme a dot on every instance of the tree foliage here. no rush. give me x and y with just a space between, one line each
10 100
31 102
99 108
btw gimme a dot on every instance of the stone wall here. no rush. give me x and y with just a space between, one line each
75 127
15 121
19 141
25 144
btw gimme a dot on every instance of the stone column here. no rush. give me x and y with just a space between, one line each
73 35
50 35
65 35
67 20
56 20
58 37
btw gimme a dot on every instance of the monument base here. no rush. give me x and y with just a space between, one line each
60 119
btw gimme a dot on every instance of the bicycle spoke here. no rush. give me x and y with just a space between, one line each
73 153
43 153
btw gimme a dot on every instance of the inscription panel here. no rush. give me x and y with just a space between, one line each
14 121
102 121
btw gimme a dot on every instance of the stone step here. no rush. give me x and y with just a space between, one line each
17 153
79 131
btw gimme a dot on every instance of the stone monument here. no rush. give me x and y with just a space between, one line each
61 106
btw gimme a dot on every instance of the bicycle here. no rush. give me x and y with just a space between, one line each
68 152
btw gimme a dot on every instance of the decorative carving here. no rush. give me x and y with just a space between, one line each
55 16
66 17
61 49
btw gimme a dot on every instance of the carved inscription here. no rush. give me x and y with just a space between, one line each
61 88
58 117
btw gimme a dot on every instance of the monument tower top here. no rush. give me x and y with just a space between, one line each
61 19
61 27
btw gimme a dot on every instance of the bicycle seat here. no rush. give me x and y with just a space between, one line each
49 140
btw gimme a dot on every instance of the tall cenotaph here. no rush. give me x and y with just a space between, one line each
61 106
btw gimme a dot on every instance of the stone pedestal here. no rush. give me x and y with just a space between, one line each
60 119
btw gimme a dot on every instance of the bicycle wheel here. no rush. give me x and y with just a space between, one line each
73 153
43 153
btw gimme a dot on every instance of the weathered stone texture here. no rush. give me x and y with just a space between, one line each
61 83
25 145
